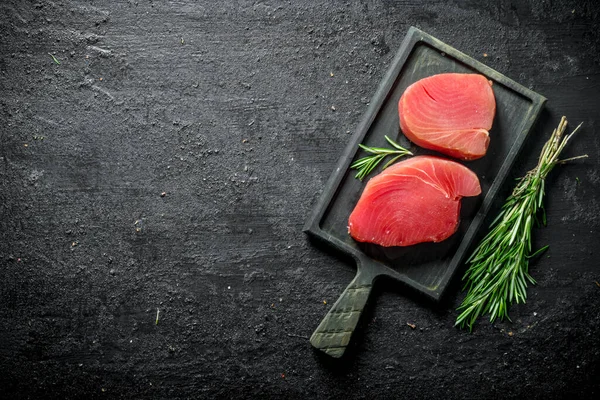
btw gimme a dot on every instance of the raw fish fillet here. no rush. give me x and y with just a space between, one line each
450 113
413 201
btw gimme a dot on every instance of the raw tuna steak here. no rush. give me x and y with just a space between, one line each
449 113
413 201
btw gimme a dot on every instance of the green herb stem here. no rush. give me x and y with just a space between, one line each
367 164
498 271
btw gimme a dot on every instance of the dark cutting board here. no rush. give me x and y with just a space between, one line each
429 267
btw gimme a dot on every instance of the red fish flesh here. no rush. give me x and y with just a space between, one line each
450 113
413 201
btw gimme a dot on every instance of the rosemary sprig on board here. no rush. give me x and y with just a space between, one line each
367 164
498 268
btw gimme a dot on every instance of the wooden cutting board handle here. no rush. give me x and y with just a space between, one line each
333 334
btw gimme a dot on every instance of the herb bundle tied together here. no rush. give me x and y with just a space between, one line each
498 271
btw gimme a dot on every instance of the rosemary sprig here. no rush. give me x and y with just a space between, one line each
498 268
367 164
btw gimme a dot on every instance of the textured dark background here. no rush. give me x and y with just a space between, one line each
228 108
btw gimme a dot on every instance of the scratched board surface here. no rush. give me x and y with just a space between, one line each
238 112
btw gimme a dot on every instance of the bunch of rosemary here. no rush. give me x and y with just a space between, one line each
498 268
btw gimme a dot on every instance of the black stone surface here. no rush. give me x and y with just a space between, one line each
170 160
